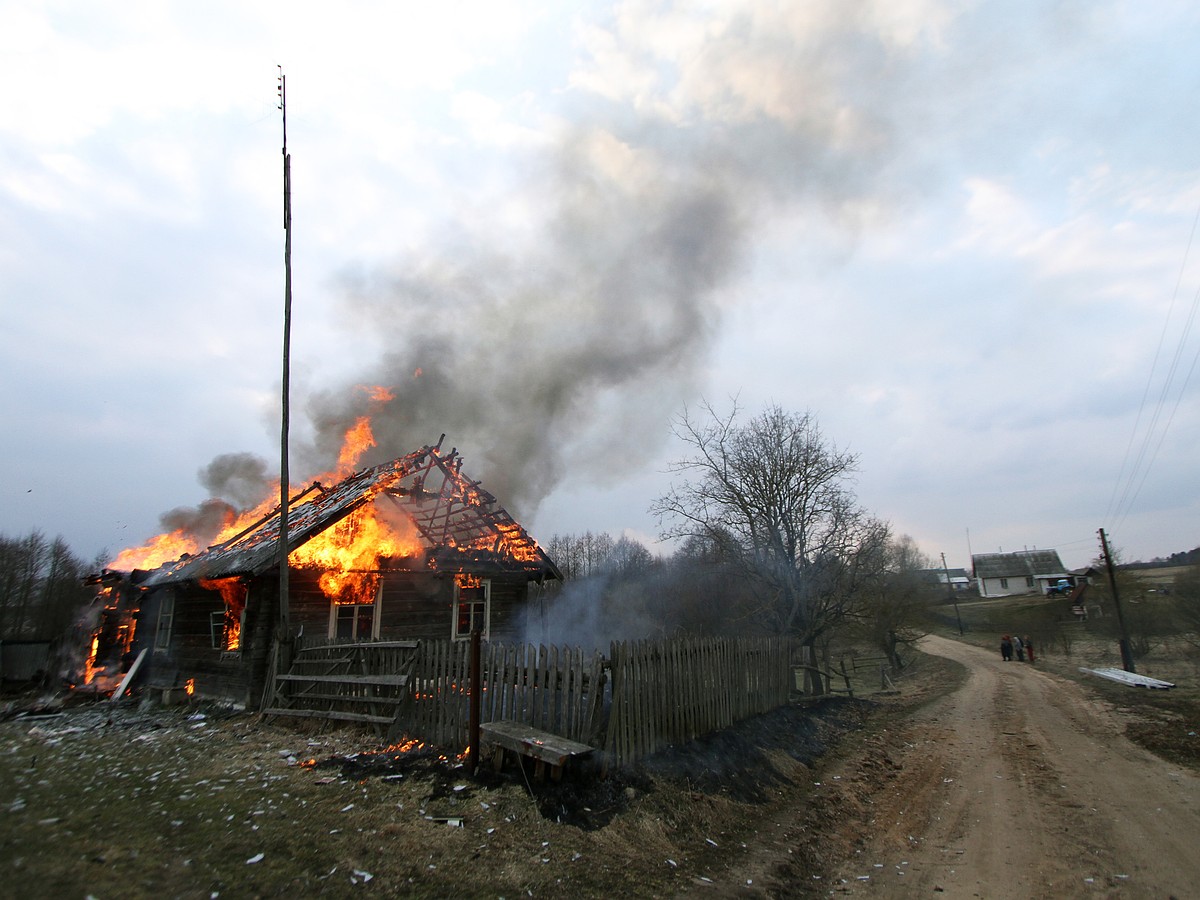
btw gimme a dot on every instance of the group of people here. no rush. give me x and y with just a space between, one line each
1022 646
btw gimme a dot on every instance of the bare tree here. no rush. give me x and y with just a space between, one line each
582 555
628 558
41 586
774 495
895 608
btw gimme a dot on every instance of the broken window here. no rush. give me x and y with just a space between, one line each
472 606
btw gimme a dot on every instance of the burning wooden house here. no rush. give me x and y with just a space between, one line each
408 550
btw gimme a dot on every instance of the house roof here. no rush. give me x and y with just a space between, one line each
1021 564
461 524
938 576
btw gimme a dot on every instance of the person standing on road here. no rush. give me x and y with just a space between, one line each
1019 647
1006 648
1028 644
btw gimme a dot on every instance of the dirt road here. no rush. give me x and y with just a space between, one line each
1017 785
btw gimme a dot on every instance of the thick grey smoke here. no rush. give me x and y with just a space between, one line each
568 346
241 478
573 353
596 336
203 522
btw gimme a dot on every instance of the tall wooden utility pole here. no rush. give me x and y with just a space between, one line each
284 475
1126 653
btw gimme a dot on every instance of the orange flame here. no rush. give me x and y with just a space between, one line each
233 592
189 687
174 545
89 667
359 439
349 552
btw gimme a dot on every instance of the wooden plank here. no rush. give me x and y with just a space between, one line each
349 698
360 645
128 679
541 745
322 660
329 714
378 680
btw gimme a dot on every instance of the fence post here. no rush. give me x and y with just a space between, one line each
474 689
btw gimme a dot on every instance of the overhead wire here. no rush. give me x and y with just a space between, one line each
1129 483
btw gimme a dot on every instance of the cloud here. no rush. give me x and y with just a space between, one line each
953 231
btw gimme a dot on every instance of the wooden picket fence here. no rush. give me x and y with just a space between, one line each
647 695
555 689
669 692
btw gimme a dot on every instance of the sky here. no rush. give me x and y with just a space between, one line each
961 235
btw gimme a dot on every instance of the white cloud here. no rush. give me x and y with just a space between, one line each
952 230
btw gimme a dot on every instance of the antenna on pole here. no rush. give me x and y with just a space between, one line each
284 475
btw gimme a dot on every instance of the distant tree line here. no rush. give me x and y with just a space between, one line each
41 586
1183 558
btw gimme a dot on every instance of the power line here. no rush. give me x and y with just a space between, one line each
1131 478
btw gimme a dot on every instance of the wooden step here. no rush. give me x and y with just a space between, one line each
316 660
362 645
379 680
329 714
352 698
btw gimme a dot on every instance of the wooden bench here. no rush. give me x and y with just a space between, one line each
546 749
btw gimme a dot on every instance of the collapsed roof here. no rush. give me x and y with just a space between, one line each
462 524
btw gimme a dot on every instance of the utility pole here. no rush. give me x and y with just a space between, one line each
284 474
953 596
1126 653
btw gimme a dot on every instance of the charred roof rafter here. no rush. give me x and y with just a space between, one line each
460 517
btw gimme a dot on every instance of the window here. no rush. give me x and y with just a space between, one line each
472 607
355 621
166 619
225 626
1004 584
1029 582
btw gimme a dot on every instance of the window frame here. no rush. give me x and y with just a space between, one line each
485 632
376 606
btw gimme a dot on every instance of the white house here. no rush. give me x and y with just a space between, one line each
1022 572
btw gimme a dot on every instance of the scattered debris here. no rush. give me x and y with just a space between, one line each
1129 678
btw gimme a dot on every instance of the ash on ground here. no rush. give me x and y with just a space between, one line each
734 762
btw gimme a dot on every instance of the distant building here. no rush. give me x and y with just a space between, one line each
958 579
1023 572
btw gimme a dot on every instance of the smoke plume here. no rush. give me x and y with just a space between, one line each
568 344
